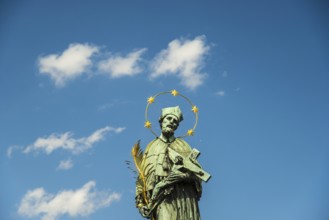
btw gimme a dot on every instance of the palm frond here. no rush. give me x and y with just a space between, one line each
137 154
132 168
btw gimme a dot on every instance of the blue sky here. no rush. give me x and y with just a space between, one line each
75 77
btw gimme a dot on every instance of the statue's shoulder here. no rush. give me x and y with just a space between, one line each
149 145
151 142
182 143
181 146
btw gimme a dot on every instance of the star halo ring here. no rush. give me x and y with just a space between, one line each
174 93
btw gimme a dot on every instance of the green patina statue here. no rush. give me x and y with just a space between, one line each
168 186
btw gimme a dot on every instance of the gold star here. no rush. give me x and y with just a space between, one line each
147 124
150 100
174 92
190 132
195 109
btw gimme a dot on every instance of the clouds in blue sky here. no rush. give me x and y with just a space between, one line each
65 165
72 63
183 58
220 93
118 66
11 149
66 141
80 202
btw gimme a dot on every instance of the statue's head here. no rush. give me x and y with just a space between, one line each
169 120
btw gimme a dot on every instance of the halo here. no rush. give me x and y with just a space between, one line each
174 93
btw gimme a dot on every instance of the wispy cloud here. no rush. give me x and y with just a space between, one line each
11 150
220 93
183 58
72 63
114 103
66 141
65 165
119 66
80 202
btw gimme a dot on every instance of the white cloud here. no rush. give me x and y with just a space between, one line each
183 58
79 202
225 74
220 93
65 164
67 142
118 66
73 62
11 149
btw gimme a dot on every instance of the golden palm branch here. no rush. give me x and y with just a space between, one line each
137 154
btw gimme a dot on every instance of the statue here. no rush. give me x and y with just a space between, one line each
168 186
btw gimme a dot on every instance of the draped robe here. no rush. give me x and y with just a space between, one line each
181 198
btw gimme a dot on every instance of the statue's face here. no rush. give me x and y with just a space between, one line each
169 124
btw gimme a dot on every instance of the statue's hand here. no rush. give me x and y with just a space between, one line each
144 211
177 175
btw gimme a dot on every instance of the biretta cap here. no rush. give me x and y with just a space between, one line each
172 111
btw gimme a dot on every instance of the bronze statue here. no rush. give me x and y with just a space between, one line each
168 186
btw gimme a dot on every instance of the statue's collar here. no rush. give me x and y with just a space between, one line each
167 140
